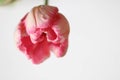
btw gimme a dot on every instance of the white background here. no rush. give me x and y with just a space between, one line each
94 42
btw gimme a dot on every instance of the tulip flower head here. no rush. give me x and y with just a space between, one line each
41 31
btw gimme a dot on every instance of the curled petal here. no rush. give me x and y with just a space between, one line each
40 17
59 49
40 52
60 44
37 52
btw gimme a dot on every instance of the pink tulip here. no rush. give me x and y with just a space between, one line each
40 31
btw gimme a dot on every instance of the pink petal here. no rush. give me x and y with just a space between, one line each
60 44
60 49
40 17
37 52
22 38
40 52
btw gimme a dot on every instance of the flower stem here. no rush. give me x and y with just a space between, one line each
46 2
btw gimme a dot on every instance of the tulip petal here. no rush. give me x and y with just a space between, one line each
60 44
61 28
59 49
40 17
22 38
37 52
40 52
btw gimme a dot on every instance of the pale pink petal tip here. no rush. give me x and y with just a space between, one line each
40 31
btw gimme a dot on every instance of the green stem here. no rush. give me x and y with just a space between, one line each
46 2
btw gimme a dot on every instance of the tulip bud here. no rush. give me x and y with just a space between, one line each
42 30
